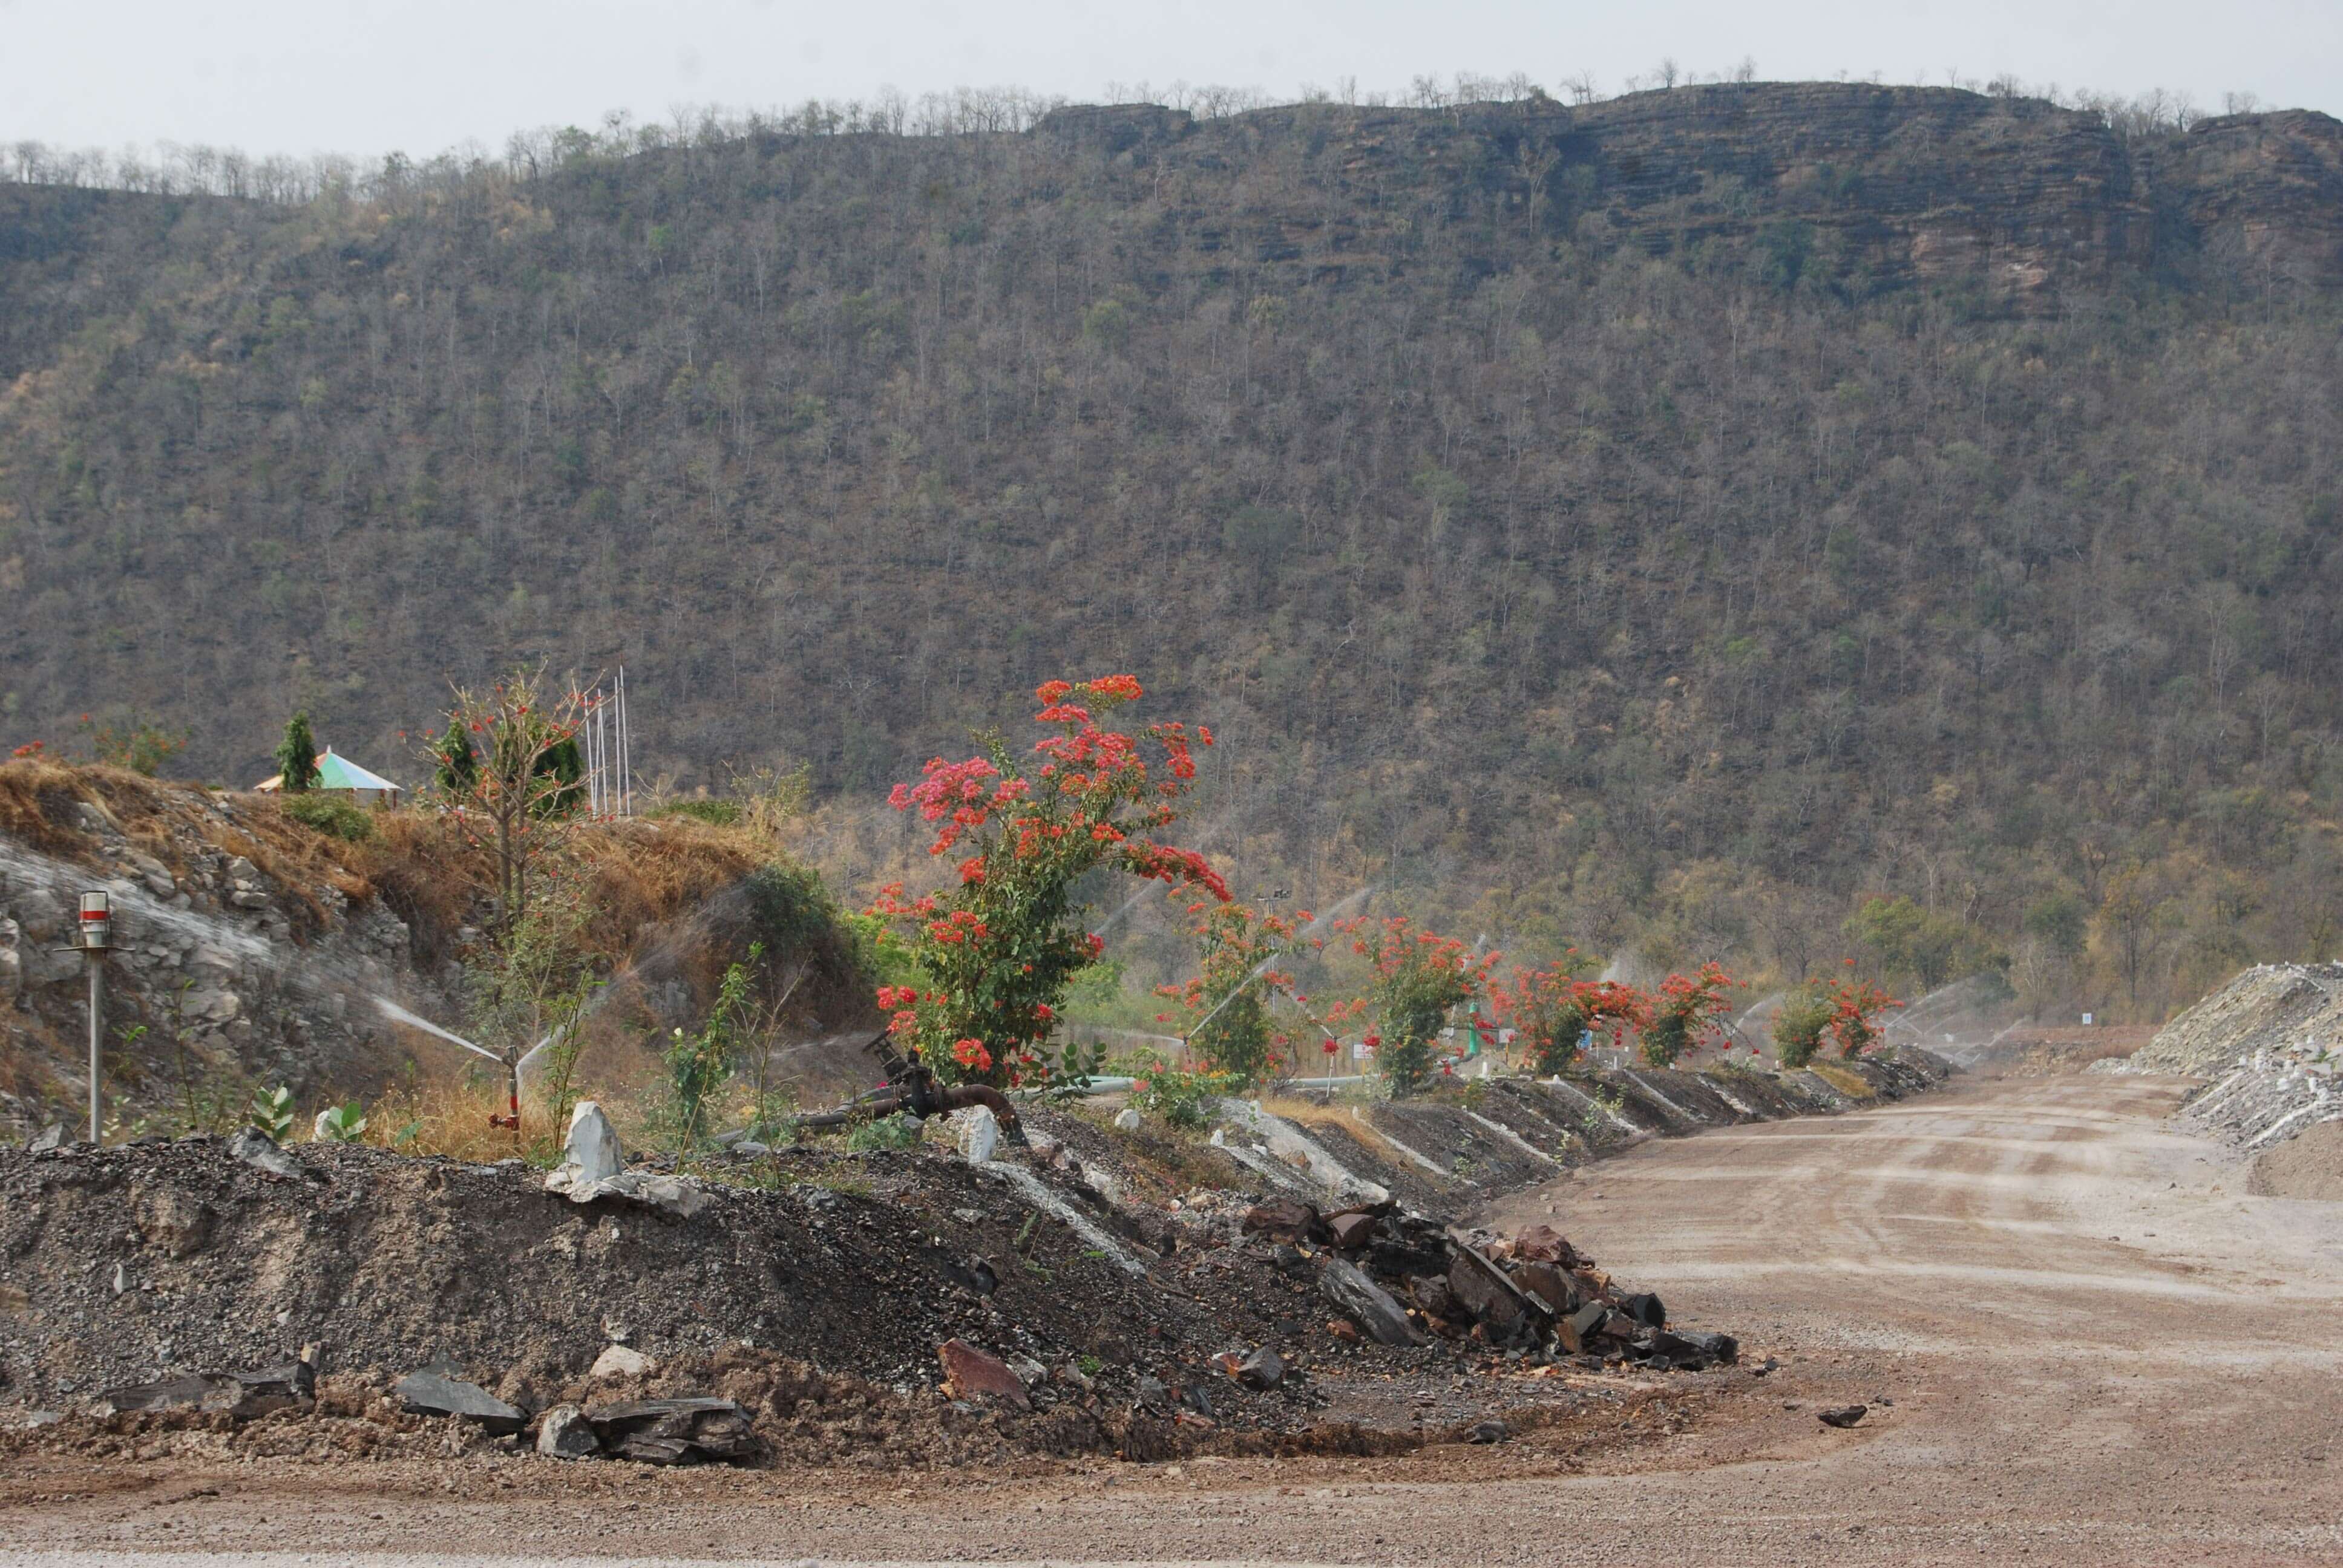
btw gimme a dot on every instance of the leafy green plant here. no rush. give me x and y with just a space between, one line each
342 1123
699 1064
897 1132
1184 1098
272 1111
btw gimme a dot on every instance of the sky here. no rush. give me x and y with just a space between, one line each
370 76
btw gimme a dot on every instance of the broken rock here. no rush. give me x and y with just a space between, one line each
675 1430
1281 1220
1352 1231
239 1395
256 1149
1367 1303
1265 1369
970 1371
437 1394
1843 1416
564 1434
1543 1244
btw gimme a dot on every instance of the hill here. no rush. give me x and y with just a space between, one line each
1662 521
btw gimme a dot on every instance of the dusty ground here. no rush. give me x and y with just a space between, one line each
2098 1349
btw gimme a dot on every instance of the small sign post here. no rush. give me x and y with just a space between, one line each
95 940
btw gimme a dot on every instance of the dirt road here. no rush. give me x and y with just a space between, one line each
2098 1350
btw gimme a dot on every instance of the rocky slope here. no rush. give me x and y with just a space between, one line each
255 952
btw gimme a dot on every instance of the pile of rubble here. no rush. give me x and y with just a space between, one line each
1400 1278
2270 1009
2271 1041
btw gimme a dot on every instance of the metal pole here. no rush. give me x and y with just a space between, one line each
96 962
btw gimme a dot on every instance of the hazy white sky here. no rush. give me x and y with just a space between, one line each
366 77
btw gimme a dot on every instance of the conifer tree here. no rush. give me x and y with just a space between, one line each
297 756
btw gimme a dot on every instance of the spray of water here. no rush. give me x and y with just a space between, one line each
392 1010
1255 972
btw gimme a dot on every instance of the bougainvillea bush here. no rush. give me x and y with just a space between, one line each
1551 1012
1225 1006
995 950
1419 976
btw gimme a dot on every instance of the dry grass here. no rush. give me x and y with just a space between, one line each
37 798
1847 1081
38 801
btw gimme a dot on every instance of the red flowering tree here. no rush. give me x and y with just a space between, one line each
1551 1012
1227 1002
1684 1012
1846 1012
995 951
1419 977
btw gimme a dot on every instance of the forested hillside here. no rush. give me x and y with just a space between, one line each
1666 521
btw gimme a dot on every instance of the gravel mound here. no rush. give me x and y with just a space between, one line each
2270 1008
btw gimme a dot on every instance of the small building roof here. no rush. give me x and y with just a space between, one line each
337 772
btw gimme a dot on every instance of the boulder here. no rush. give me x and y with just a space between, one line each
1843 1416
1352 1231
1478 1294
591 1153
434 1393
53 1136
1645 1309
1367 1303
975 1132
1127 1120
1573 1331
566 1434
1686 1347
618 1360
969 1373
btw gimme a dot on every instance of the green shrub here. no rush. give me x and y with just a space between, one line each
1798 1026
331 812
1184 1099
896 1131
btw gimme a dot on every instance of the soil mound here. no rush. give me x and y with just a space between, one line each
2307 1165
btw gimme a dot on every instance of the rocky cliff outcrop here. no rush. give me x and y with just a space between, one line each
1875 187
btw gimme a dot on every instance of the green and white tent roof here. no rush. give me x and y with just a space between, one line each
336 772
